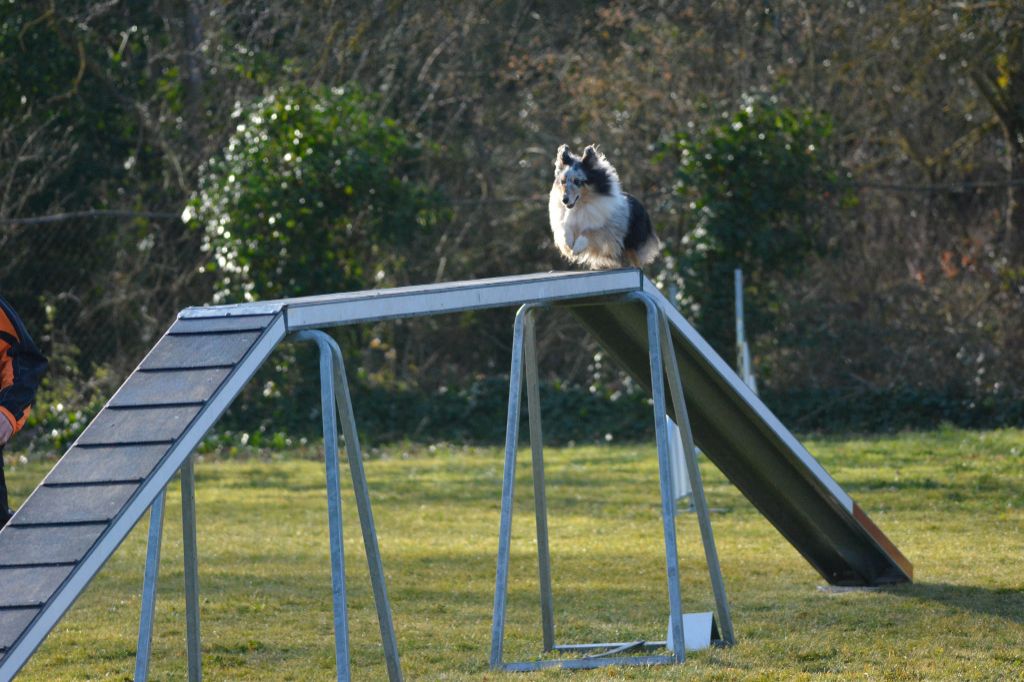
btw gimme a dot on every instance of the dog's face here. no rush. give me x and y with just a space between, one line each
571 173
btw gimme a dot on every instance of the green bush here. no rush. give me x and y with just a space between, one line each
471 413
887 410
755 185
312 193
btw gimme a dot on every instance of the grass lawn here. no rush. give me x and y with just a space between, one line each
952 501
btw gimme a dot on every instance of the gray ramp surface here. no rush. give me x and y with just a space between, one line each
91 499
78 516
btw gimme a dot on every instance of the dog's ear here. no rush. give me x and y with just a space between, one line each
563 157
590 156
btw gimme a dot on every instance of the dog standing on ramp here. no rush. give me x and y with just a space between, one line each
593 221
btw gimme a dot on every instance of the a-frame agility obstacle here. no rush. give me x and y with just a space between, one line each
122 463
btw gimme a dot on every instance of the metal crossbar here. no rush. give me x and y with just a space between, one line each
662 363
336 407
191 571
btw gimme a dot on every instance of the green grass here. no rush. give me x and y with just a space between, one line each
953 501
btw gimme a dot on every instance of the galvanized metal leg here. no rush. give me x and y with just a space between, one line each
668 503
515 387
337 545
698 497
523 351
188 522
337 406
362 494
540 504
144 649
662 362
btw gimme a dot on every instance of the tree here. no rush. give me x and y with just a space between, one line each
313 193
755 184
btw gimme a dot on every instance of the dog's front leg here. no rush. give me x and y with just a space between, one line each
568 236
579 245
568 240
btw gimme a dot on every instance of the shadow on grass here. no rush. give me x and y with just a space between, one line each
1004 602
910 484
257 478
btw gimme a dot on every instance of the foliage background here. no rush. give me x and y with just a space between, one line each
900 303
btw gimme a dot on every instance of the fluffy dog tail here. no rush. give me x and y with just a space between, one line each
647 252
641 245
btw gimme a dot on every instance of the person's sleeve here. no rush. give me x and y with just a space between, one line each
27 366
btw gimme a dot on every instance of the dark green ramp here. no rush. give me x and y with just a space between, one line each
753 449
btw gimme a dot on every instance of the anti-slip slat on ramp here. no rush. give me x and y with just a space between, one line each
235 323
71 524
107 463
30 586
191 351
121 425
170 387
13 622
69 504
38 545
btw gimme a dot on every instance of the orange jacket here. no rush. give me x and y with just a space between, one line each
21 367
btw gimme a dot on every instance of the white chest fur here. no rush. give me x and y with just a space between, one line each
595 212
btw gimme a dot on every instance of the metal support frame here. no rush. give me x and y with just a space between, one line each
188 540
699 499
191 569
145 644
662 362
336 407
334 525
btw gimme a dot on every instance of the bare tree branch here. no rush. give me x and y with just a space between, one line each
88 214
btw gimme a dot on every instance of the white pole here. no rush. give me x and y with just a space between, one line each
743 364
680 480
677 466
